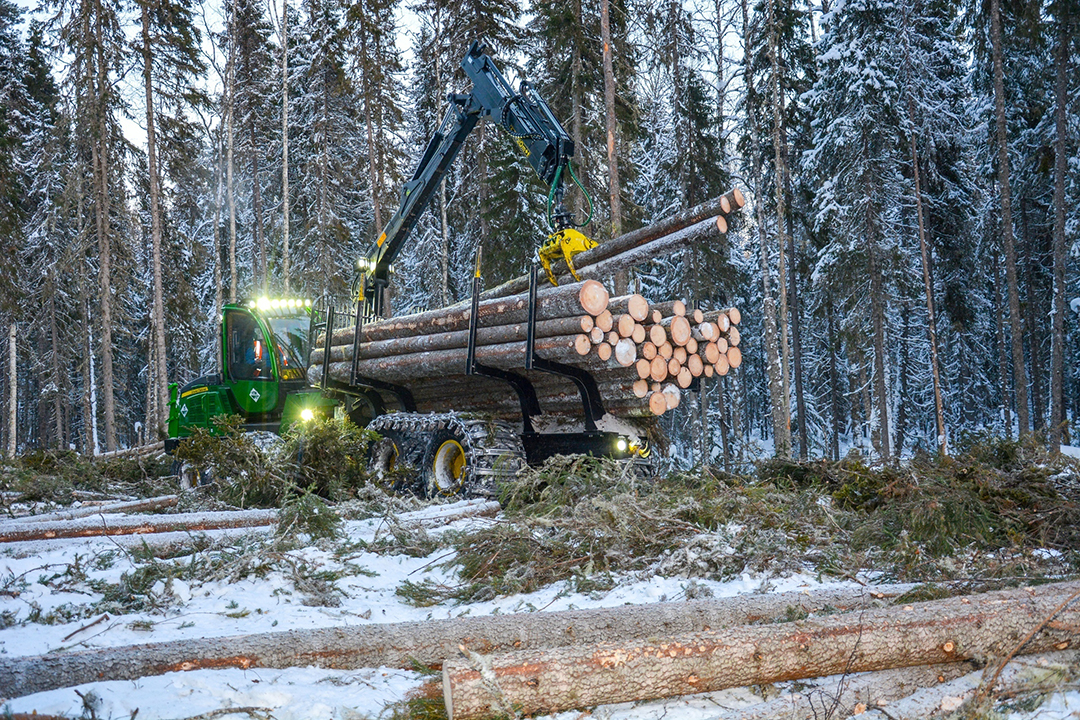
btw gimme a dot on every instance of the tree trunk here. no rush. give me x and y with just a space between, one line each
402 645
579 676
931 321
877 320
285 252
100 159
781 217
780 426
230 114
219 292
1057 360
1016 325
99 527
58 380
834 382
160 374
902 405
1003 362
614 192
1033 307
13 391
260 279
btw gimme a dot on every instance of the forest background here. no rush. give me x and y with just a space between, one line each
907 267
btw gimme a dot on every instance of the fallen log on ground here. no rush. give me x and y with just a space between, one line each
98 527
985 625
1026 674
430 642
843 695
154 503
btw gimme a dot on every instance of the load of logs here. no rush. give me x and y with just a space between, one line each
642 355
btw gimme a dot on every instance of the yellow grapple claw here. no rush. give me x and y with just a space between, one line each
566 244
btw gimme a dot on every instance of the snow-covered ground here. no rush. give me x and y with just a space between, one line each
55 582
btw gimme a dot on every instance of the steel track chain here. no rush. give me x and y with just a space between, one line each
493 448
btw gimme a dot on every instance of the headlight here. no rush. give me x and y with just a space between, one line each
306 415
621 445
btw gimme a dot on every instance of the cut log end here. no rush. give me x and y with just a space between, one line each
734 357
658 369
648 350
644 369
708 371
733 336
734 315
698 315
679 308
594 297
639 334
721 223
603 351
657 335
737 195
722 365
672 396
657 403
587 323
695 365
604 321
625 325
596 335
684 378
582 344
625 352
638 307
641 388
665 350
680 330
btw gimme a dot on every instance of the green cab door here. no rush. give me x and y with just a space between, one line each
249 362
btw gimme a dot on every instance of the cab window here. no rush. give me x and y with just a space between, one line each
249 356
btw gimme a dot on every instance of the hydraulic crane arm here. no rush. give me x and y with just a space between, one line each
539 136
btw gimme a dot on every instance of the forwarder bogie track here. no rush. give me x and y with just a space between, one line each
492 450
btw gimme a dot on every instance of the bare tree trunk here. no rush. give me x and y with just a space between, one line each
1034 311
877 320
834 382
1057 359
780 416
1003 363
230 144
369 110
781 216
931 321
579 676
614 192
260 280
903 372
100 158
1016 324
285 252
219 291
13 390
160 374
58 380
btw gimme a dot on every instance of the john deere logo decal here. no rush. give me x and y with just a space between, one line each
254 395
183 409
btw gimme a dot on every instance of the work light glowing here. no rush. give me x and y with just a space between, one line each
306 415
621 445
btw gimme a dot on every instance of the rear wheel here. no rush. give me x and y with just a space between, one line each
446 466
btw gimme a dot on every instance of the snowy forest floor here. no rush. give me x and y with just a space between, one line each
577 533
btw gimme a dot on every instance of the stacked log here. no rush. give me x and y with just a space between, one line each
577 323
663 347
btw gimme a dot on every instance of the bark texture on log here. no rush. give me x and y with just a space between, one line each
430 642
155 503
96 527
985 625
840 696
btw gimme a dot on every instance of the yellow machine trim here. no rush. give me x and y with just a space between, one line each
381 240
565 244
194 391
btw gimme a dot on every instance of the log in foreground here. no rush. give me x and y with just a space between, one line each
95 527
400 644
985 625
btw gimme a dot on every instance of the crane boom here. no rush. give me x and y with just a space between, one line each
526 117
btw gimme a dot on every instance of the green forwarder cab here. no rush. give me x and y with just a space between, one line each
263 378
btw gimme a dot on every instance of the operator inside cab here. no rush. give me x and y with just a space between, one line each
250 358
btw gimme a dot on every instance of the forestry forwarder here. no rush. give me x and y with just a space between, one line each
454 453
